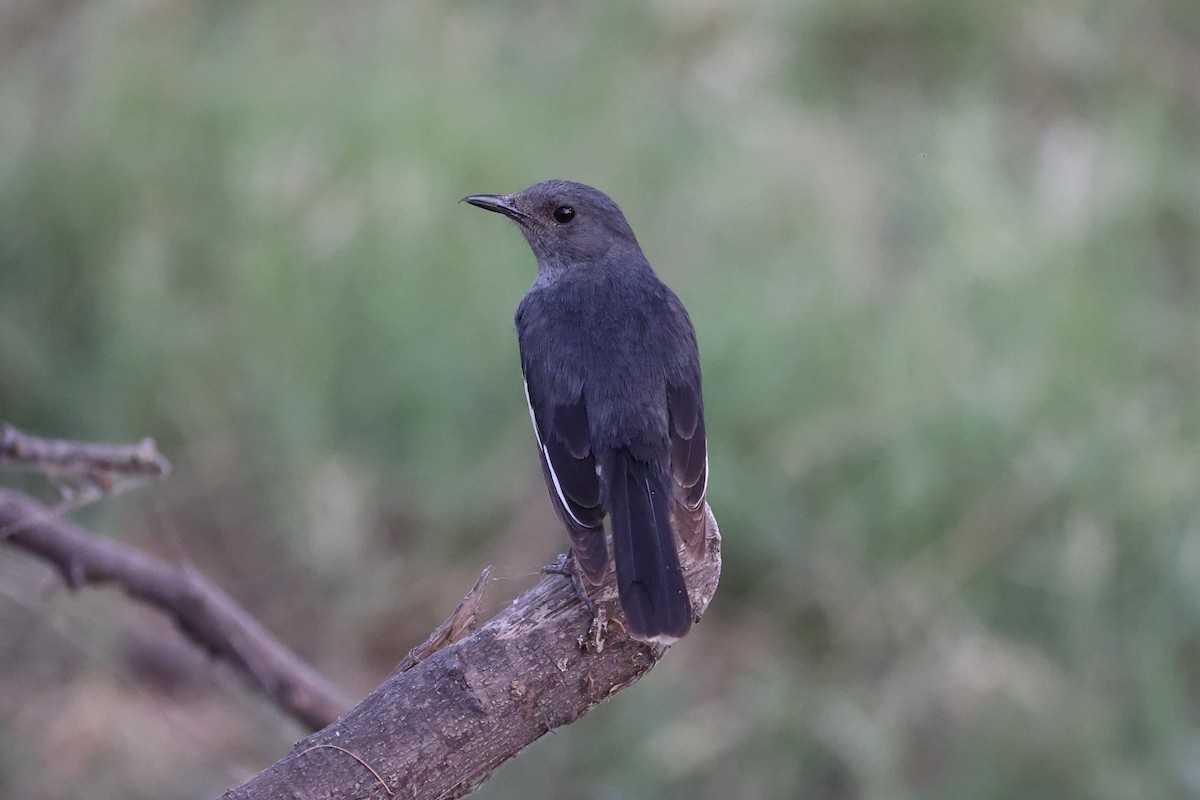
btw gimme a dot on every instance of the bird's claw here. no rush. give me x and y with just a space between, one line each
593 640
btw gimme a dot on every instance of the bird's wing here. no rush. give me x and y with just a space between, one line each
569 467
689 464
689 449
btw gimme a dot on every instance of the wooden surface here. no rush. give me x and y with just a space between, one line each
440 728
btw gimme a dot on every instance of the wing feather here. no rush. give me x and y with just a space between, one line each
689 465
569 467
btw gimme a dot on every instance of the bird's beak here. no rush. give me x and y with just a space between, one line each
501 204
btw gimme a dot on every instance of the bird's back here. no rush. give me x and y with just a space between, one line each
608 343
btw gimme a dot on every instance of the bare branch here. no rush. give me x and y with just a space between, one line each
451 713
57 456
460 622
206 614
439 729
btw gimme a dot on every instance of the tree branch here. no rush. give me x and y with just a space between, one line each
451 713
439 729
203 612
98 463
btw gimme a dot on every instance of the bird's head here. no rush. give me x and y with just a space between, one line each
566 224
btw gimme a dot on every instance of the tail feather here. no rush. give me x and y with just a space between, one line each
649 579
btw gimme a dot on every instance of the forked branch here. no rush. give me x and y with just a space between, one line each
451 713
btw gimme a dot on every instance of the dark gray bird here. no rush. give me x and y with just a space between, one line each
612 376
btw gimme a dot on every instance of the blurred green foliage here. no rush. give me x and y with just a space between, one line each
944 263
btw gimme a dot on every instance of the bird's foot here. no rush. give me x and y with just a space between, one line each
598 627
566 565
561 565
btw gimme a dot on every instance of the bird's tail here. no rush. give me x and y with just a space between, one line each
649 580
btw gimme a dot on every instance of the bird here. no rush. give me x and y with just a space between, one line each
612 379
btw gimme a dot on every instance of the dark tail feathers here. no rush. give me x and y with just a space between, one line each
649 581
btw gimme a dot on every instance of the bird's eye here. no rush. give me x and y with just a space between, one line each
564 214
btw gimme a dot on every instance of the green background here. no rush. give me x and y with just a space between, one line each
943 260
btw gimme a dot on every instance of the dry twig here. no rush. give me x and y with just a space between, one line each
59 456
460 622
205 613
83 471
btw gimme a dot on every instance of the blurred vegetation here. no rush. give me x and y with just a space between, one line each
944 263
